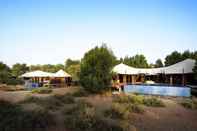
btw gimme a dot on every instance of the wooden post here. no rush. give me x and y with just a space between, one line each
133 79
124 78
171 80
183 80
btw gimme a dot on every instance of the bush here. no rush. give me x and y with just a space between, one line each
153 102
190 104
49 103
117 111
14 81
14 118
133 99
135 108
80 93
42 90
66 99
83 117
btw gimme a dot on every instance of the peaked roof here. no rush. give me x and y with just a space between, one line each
37 73
183 67
61 73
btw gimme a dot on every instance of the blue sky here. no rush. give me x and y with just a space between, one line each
49 31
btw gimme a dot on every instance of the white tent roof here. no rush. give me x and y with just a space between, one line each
61 73
185 67
37 73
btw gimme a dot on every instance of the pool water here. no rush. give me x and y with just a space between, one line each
158 90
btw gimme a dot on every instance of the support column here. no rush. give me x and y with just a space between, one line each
171 80
183 80
133 79
124 78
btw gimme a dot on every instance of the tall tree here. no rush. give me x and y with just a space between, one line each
158 63
19 69
96 66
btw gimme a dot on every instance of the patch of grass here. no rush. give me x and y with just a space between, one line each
42 90
190 104
154 102
14 118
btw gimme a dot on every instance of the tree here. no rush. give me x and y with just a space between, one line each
71 62
96 66
19 69
158 63
138 61
195 70
173 58
187 54
4 73
47 67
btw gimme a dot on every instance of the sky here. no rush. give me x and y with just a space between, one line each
50 31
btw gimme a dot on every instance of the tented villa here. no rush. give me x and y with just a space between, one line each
41 78
178 74
174 80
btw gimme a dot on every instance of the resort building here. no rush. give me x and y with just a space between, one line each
41 78
180 73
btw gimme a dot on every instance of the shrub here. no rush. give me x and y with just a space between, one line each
190 104
133 99
83 116
49 103
80 93
153 102
135 108
42 90
66 99
117 111
13 118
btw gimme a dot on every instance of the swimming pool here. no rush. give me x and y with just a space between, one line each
158 90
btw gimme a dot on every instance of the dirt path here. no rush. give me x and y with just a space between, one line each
173 117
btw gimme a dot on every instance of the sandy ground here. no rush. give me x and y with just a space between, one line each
173 117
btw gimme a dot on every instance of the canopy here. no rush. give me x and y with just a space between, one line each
37 73
182 67
61 73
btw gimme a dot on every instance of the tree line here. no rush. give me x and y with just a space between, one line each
95 66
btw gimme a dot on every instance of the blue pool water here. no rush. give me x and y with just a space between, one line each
158 90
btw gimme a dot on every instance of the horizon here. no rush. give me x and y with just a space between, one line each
40 32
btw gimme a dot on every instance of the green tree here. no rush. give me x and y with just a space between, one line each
195 70
158 63
187 54
19 69
95 71
47 67
173 58
138 61
35 67
4 73
73 68
71 62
